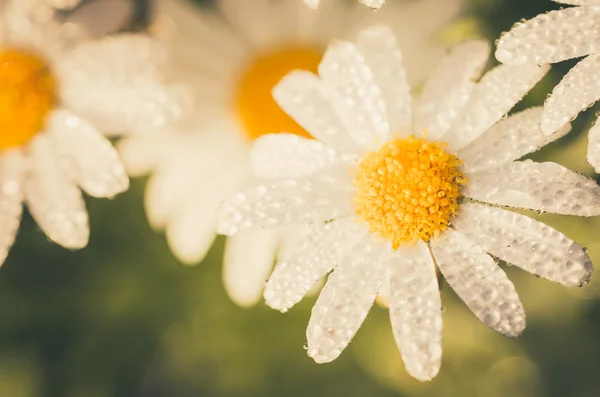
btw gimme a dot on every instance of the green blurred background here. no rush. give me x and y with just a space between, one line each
122 318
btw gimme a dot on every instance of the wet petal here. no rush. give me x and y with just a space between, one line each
578 90
593 152
552 37
114 82
525 242
345 300
449 87
355 96
416 310
319 197
289 156
53 199
304 97
479 282
498 91
299 269
379 47
546 187
508 140
94 162
247 263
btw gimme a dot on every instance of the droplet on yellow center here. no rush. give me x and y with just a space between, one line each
27 94
408 190
258 111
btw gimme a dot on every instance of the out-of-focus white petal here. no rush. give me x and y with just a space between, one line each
373 4
448 88
346 299
12 165
97 19
508 140
546 187
94 162
355 96
191 227
479 282
497 92
593 152
525 242
552 37
304 97
578 90
115 83
141 153
318 197
53 199
254 20
247 263
416 310
314 4
379 47
310 259
289 156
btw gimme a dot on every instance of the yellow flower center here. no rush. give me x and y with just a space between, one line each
27 94
408 190
258 111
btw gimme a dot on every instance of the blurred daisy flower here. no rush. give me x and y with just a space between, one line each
236 62
373 4
53 99
392 195
554 37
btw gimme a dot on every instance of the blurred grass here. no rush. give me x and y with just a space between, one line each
122 318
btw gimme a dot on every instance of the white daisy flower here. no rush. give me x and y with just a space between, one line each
52 100
392 194
373 4
554 37
242 57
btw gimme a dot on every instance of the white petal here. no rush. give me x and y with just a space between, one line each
577 2
304 97
53 199
552 37
289 156
12 165
318 197
578 90
114 82
247 263
95 163
379 47
373 4
141 153
508 140
355 96
345 300
479 282
314 4
497 92
416 310
593 152
546 187
254 20
299 269
448 88
525 242
100 19
191 227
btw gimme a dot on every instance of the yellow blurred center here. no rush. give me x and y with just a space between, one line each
258 111
408 190
27 94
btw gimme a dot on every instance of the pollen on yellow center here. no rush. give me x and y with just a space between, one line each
257 110
408 190
27 94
